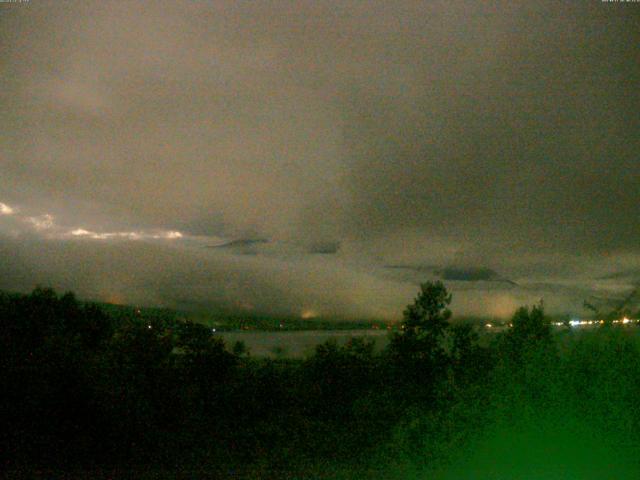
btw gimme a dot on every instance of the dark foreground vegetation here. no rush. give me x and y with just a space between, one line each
86 394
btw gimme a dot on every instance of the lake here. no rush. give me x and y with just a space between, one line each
297 344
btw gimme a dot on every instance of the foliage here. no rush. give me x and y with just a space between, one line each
87 390
418 349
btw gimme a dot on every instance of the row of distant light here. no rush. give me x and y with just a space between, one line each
576 323
579 323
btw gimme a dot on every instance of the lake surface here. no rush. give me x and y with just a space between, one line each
297 344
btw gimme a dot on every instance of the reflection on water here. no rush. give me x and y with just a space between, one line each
297 344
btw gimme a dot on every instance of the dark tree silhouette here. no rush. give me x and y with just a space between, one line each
428 315
418 348
239 348
530 325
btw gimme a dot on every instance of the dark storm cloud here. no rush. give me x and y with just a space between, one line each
476 274
460 135
533 146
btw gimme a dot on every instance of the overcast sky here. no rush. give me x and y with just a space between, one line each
367 146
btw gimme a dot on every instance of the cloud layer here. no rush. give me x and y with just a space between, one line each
350 135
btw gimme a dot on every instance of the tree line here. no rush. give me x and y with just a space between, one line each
86 391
